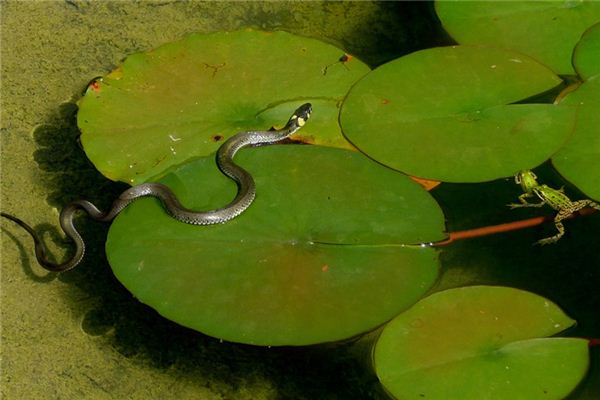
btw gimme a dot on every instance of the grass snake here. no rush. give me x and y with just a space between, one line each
245 195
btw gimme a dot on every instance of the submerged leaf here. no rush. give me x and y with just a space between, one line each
318 257
586 56
480 342
544 30
183 99
445 114
579 160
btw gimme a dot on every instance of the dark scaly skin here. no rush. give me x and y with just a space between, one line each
225 153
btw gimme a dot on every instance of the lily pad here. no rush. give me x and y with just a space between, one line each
183 99
318 257
445 114
480 342
579 160
586 56
544 30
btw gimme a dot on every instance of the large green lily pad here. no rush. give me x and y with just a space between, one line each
579 160
480 342
185 98
446 114
318 256
544 30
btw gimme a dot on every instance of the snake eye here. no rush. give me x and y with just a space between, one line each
304 111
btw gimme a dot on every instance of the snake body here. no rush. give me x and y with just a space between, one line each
245 195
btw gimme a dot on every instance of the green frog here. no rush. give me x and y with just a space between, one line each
555 198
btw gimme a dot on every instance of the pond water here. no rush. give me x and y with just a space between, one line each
82 334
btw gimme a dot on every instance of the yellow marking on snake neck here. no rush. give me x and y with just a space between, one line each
301 121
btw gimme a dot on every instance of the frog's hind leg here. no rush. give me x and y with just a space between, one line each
578 205
561 231
562 214
592 204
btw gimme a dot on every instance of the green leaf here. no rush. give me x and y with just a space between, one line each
183 99
318 256
544 30
480 342
586 56
579 160
445 114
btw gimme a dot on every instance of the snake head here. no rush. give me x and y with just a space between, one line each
300 116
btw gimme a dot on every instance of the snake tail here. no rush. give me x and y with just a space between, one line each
40 248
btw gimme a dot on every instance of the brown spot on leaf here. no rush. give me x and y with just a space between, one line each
158 161
216 138
93 85
302 139
215 68
345 58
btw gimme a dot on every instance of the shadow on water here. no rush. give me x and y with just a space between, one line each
26 260
376 44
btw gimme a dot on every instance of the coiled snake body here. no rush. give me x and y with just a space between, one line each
245 195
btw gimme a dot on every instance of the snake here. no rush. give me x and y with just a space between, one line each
224 158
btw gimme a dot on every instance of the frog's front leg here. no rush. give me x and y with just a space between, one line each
524 202
524 196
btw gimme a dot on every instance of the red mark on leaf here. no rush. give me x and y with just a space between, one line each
342 60
95 86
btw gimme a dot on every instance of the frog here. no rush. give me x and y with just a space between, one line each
555 198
